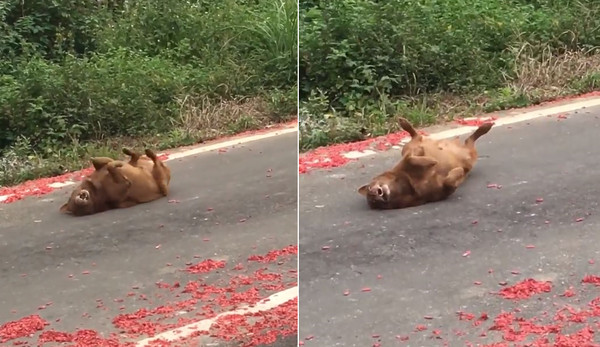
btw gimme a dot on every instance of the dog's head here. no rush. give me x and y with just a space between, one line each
402 186
389 190
84 199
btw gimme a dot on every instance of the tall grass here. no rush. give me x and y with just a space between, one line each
364 62
71 85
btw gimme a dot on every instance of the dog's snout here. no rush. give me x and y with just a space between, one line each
379 191
84 195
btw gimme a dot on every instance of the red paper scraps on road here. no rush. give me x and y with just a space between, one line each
274 255
22 328
476 121
207 265
333 156
525 289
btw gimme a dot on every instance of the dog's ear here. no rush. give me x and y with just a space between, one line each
65 208
363 190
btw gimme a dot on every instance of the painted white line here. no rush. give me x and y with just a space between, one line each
272 301
4 197
234 142
358 154
61 184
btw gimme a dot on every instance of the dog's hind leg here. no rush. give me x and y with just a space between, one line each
406 126
134 156
482 130
100 162
415 138
158 172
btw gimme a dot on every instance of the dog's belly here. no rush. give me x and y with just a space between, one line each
449 156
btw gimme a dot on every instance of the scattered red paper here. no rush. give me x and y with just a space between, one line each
274 255
477 121
22 328
207 265
525 289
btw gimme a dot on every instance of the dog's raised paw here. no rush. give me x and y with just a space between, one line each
128 151
150 154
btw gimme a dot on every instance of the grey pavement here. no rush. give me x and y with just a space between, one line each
398 278
83 272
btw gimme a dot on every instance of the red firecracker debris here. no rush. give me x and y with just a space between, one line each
272 256
206 266
23 327
591 279
569 293
525 289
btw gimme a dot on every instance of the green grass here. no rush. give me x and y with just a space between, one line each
153 73
364 63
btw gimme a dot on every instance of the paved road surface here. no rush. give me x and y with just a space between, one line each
120 272
418 267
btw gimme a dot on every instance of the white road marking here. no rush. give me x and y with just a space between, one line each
60 184
241 140
271 302
358 154
198 150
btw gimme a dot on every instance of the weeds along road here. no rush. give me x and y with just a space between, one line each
469 271
225 238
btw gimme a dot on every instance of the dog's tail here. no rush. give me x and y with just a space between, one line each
406 126
482 130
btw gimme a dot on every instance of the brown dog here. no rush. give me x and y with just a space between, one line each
148 175
430 170
119 184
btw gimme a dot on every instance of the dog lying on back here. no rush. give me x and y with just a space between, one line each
119 184
430 170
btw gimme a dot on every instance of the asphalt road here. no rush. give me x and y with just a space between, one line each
96 272
398 278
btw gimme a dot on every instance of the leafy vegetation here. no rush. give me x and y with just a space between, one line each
80 78
364 62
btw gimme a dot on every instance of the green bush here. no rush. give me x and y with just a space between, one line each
364 56
75 71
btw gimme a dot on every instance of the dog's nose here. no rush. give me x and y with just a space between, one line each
379 191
